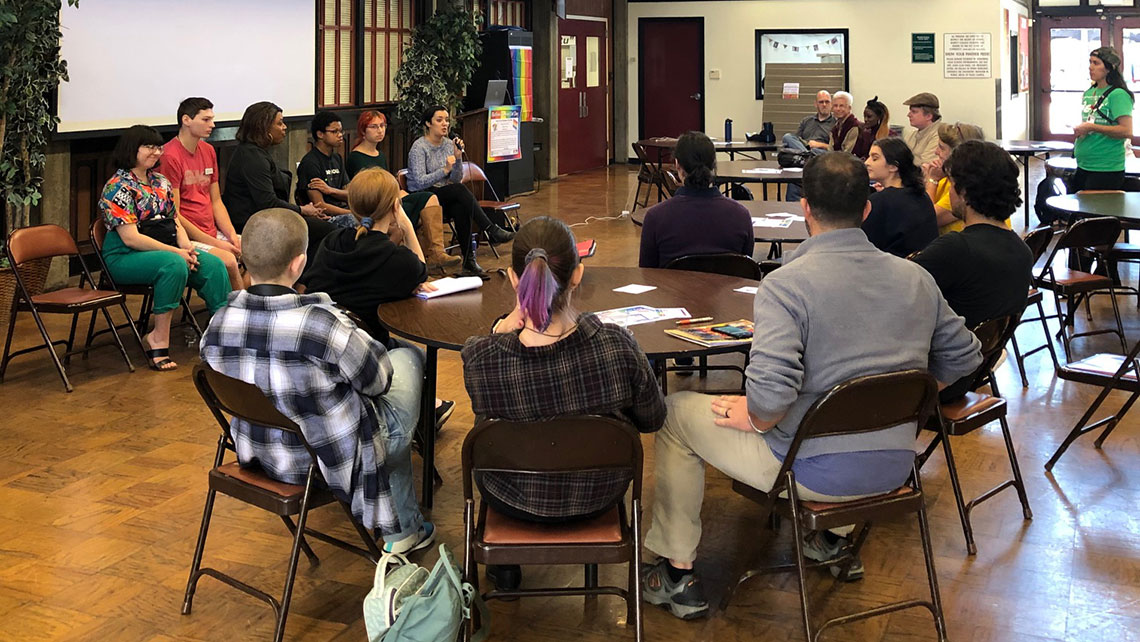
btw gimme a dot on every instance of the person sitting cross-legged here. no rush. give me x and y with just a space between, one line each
838 308
356 402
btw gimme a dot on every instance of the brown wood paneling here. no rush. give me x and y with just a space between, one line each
599 8
785 115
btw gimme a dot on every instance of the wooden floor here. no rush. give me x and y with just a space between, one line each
101 493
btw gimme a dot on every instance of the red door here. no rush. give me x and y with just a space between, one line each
670 71
583 96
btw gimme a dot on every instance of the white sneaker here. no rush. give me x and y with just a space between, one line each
414 542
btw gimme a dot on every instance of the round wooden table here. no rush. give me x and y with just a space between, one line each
795 233
447 322
1124 206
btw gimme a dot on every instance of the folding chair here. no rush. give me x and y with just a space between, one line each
858 406
973 411
30 244
566 444
507 211
1038 241
649 174
228 396
671 182
728 264
146 291
1111 372
1095 235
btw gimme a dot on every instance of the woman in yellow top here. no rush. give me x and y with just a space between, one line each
937 184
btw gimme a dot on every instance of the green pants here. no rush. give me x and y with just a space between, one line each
168 274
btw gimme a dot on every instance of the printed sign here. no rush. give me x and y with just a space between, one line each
966 55
922 47
503 143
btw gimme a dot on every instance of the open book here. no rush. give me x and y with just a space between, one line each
451 285
717 333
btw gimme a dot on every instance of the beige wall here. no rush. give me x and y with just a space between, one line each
880 35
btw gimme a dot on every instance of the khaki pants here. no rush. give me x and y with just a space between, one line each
688 440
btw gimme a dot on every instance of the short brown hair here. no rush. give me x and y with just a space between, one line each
255 123
270 240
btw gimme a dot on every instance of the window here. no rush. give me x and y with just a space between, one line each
801 46
387 31
335 77
508 13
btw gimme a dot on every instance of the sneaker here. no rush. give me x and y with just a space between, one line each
821 546
412 543
443 413
685 598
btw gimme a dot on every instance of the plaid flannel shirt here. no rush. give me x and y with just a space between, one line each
322 372
597 369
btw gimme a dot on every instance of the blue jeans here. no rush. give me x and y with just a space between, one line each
794 143
344 220
399 410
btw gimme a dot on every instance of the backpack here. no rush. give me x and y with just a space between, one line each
791 158
409 604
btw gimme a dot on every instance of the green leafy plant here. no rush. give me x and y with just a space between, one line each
30 71
438 65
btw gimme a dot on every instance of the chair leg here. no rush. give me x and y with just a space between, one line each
90 335
801 563
1079 428
1064 320
591 576
71 340
291 574
963 512
115 336
8 342
1113 424
1116 313
634 592
928 557
196 564
1017 358
51 350
313 559
1048 337
1018 482
133 326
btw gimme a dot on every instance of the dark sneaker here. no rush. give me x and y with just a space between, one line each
821 546
684 598
443 413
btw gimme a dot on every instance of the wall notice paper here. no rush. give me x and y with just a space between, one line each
451 285
791 91
966 55
503 142
638 314
747 289
634 288
758 221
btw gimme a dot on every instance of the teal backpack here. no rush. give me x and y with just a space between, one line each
409 604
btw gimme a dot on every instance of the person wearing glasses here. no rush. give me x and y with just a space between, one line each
147 245
321 175
423 208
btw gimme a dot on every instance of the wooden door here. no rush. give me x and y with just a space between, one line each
583 95
670 71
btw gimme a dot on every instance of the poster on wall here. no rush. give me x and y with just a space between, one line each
1023 53
966 55
503 142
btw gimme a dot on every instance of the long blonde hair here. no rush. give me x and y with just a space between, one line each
372 195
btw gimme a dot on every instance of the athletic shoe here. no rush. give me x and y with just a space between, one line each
821 546
414 542
684 598
443 413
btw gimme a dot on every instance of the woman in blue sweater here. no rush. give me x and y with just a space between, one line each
435 165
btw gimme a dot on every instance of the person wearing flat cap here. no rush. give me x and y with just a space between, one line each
923 114
1106 120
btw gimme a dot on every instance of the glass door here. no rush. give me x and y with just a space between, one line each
1065 47
1127 42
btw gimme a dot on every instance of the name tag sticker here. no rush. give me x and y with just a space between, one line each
209 171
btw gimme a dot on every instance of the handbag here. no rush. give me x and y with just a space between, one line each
791 158
163 230
409 604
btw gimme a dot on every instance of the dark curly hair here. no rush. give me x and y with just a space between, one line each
986 177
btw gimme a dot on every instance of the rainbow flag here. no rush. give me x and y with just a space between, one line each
522 60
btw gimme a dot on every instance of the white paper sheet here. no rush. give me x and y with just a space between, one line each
634 288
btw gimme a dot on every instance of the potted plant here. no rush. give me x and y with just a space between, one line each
438 64
30 71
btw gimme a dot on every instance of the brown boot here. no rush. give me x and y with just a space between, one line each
430 231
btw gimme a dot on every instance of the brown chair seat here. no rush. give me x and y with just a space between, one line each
819 507
1066 279
499 206
972 406
1034 297
500 529
255 487
75 297
1098 370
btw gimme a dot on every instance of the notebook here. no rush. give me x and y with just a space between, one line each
451 285
587 248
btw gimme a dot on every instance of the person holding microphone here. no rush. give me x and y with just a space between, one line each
435 164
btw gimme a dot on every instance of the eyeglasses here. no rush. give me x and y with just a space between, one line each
376 126
152 148
335 131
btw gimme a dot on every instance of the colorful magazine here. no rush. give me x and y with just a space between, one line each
717 333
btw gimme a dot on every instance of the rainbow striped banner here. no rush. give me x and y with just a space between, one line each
522 60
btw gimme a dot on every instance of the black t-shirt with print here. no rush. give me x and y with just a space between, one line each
317 165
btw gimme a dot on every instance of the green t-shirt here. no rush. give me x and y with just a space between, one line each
359 160
1096 152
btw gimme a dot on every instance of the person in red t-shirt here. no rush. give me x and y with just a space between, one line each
191 166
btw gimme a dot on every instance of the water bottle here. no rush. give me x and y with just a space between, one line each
728 130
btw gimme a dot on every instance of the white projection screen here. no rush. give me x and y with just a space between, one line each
133 61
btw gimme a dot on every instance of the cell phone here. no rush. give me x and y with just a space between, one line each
733 331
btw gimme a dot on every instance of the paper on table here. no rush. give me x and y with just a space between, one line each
793 169
760 170
451 285
638 314
787 215
634 288
771 222
747 289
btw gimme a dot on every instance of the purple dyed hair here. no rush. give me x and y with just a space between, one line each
544 255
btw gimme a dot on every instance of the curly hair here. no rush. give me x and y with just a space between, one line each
985 176
255 124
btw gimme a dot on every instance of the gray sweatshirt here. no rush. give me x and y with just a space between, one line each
839 308
426 164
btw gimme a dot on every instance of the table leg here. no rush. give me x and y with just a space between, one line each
1025 191
427 426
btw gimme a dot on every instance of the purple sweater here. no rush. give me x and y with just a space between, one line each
694 221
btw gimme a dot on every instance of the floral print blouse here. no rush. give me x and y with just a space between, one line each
126 200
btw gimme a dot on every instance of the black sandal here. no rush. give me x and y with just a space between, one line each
160 366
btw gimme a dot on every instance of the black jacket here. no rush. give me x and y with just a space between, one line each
255 183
